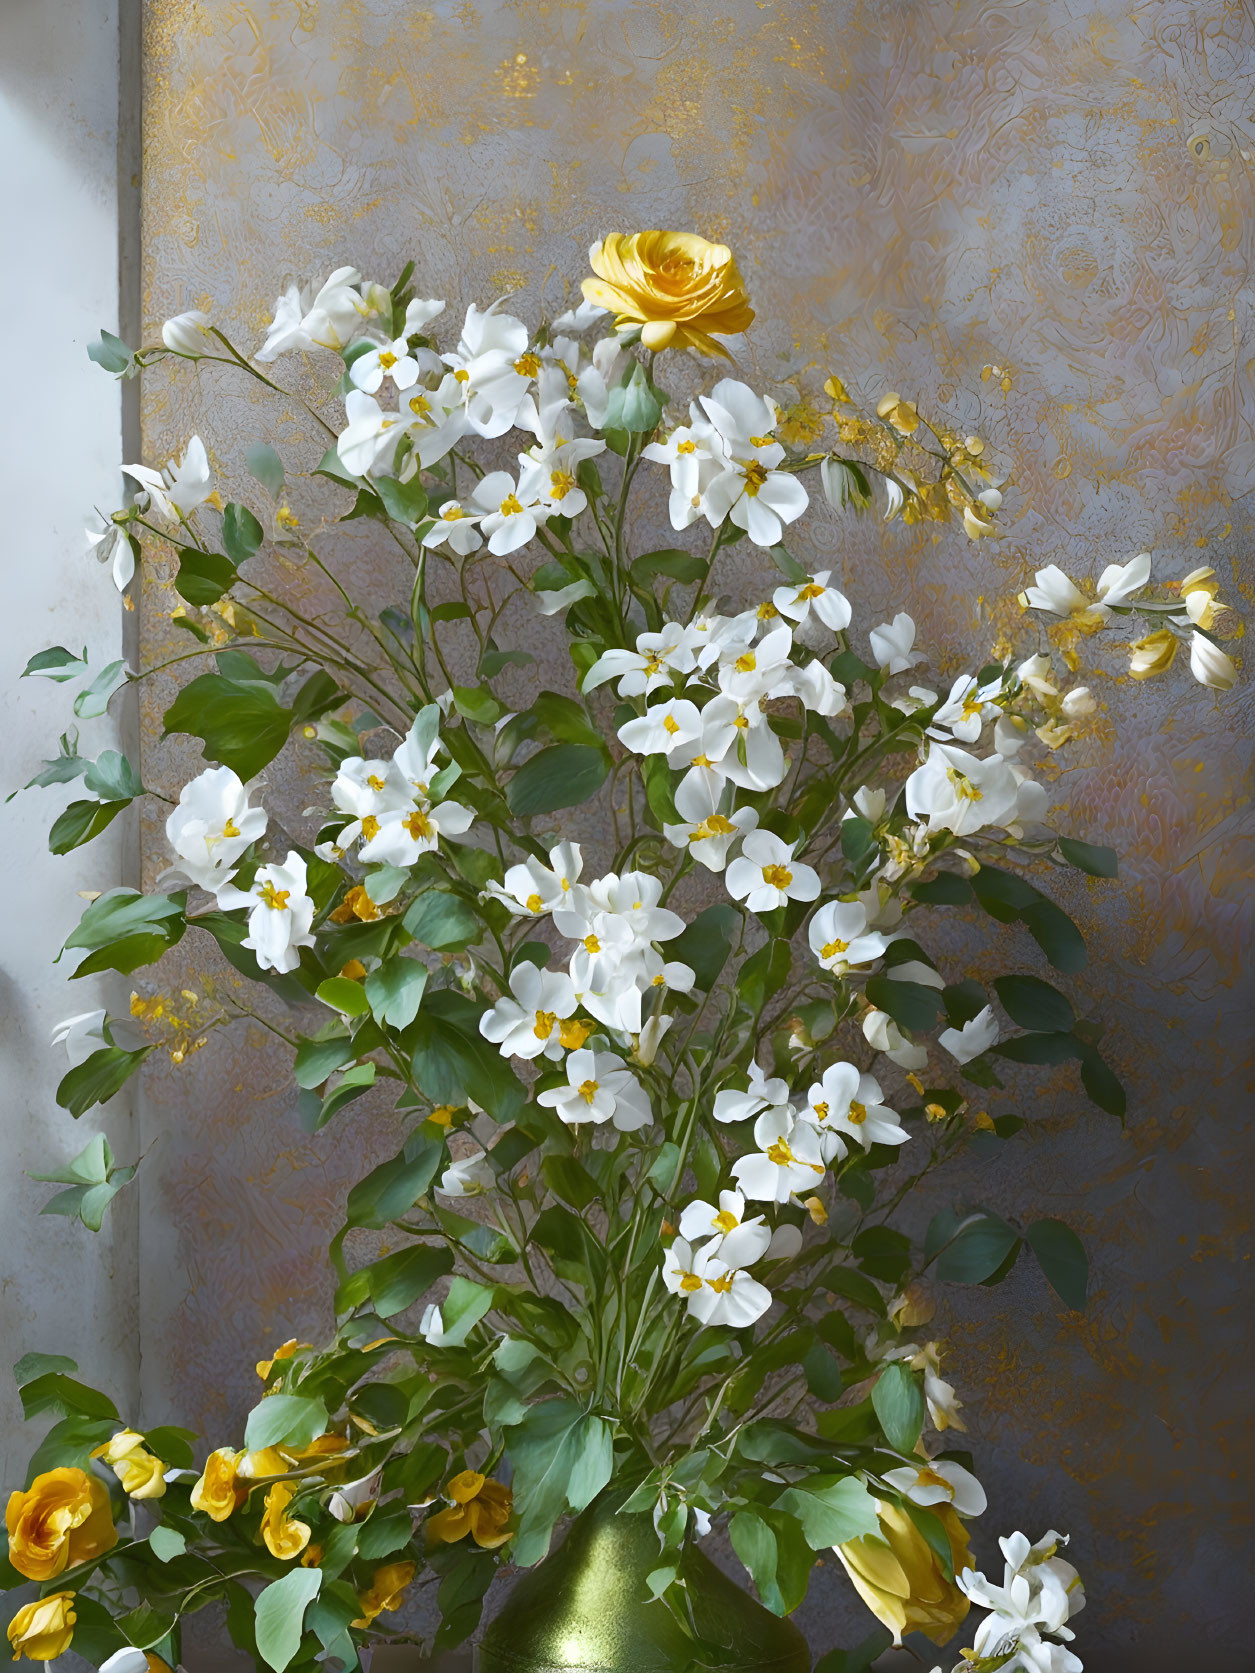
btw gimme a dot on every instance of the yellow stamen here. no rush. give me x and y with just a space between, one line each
779 877
725 1221
510 506
588 1090
544 1024
858 1114
370 827
830 949
527 365
755 477
533 903
417 824
276 899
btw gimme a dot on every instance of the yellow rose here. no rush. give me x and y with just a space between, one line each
900 1579
61 1519
142 1475
284 1536
385 1593
219 1491
42 1630
675 285
478 1506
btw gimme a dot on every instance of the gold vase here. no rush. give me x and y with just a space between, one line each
586 1609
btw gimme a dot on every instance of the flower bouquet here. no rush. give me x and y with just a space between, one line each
642 959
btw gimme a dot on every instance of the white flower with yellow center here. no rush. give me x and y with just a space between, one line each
665 728
212 826
749 489
684 1267
840 939
455 527
705 1219
493 369
845 1104
433 419
694 455
388 360
280 913
184 484
532 888
788 1161
749 672
506 517
941 1482
797 602
766 876
955 791
964 712
469 1176
399 836
599 1088
713 1281
736 743
528 1022
657 659
711 825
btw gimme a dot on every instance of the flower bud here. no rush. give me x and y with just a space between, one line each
1210 665
185 334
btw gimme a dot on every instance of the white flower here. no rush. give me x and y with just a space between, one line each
892 644
594 383
354 1501
599 1089
841 486
954 791
489 366
579 318
707 832
830 606
1038 1595
402 836
127 1660
181 487
431 1325
185 334
766 875
1055 593
507 521
658 657
846 1104
788 1159
815 689
883 1034
82 1035
468 1177
717 1288
973 1038
280 913
695 456
531 888
212 826
108 542
939 1396
749 489
1120 583
965 710
307 320
663 729
839 936
703 1219
619 902
762 1094
388 360
527 1023
939 1483
1209 664
736 743
456 528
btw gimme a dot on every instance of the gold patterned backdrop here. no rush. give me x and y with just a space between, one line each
917 190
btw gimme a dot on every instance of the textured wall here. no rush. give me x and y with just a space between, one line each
916 190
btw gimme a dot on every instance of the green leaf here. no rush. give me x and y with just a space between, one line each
241 724
266 467
280 1615
706 945
99 1078
111 353
561 776
860 1658
112 777
462 1309
764 973
899 1404
946 889
1032 1003
405 502
831 1509
93 700
203 576
343 994
395 991
392 1189
55 1392
1061 1256
677 565
35 1365
561 1459
56 663
1102 1083
977 1251
477 703
1056 935
911 1004
291 1418
755 1544
241 532
396 1282
315 1113
443 921
1085 856
166 1543
321 1056
123 929
823 1373
82 821
1039 1048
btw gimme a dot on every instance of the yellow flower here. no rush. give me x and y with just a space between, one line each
141 1474
285 1351
478 1506
385 1593
42 1630
219 1491
1153 654
284 1536
62 1519
900 1579
901 414
675 285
